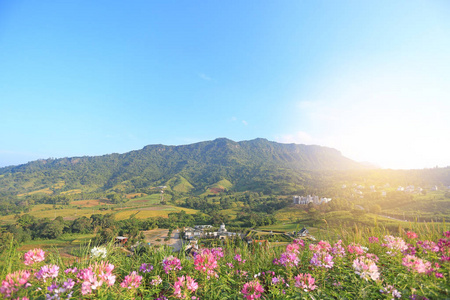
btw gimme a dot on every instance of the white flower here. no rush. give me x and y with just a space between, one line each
98 252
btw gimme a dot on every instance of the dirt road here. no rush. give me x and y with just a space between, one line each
157 236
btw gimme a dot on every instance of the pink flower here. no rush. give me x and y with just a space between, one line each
70 270
373 239
356 248
305 282
412 235
238 258
287 259
184 286
394 243
205 261
34 256
322 246
300 242
156 281
146 268
218 252
390 290
294 248
95 275
252 290
14 281
133 280
366 268
416 264
338 249
47 271
171 263
322 259
428 245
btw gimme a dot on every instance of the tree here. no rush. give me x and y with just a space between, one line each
82 225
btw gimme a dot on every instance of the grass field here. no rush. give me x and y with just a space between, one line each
217 187
147 200
67 214
152 212
179 184
65 246
91 203
71 192
291 213
282 227
135 195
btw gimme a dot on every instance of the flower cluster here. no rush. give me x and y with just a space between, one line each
412 235
252 290
373 239
133 280
287 259
322 246
98 252
34 256
338 250
413 263
322 259
300 269
156 281
239 259
171 263
95 275
218 252
146 268
47 271
55 291
184 286
356 249
427 246
366 268
305 282
205 261
390 290
395 243
15 281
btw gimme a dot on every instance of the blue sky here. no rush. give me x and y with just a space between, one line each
370 78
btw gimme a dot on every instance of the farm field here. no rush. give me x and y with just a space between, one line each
152 212
67 214
68 246
147 200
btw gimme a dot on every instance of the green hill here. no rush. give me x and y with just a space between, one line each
179 184
257 164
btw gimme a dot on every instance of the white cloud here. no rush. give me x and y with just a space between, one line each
244 122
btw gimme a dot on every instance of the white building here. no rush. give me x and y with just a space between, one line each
310 199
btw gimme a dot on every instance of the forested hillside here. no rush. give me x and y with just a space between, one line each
257 164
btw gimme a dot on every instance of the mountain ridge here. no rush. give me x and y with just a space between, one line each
244 163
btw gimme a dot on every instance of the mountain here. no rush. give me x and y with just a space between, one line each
256 165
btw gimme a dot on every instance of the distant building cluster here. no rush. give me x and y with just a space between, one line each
310 199
410 189
201 232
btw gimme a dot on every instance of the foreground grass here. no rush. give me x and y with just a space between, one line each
275 270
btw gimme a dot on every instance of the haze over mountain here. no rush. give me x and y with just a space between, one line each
254 164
